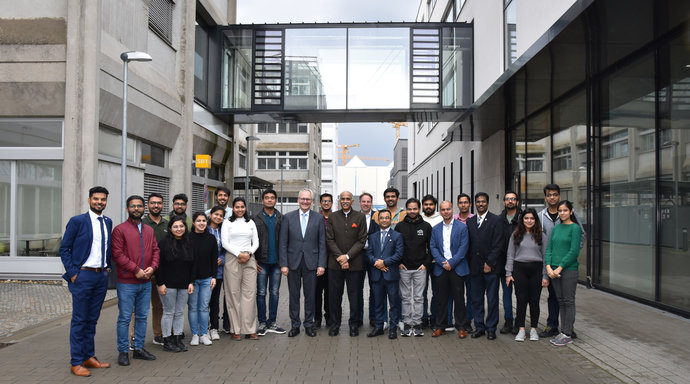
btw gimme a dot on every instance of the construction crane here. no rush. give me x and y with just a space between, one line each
397 126
343 151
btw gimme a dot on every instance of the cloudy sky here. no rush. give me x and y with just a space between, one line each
372 137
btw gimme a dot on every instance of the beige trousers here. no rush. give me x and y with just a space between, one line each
240 293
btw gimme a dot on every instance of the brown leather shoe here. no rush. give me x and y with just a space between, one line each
462 334
93 362
79 370
236 336
438 332
253 336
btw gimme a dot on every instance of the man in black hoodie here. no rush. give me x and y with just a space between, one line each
509 218
413 269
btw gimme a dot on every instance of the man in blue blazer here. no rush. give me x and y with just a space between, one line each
86 255
486 236
302 257
449 244
384 253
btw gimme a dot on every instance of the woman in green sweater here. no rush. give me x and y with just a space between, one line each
561 266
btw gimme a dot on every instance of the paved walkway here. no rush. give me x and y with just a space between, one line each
619 341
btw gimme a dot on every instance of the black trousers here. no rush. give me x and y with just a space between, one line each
528 291
295 278
321 309
336 283
215 307
450 284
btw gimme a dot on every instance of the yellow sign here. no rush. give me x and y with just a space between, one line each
203 161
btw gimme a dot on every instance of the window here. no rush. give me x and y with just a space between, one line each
30 133
242 158
283 128
510 32
110 144
160 18
153 154
286 159
534 163
615 145
562 159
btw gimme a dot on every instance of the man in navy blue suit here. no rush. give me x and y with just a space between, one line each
86 256
384 254
486 234
449 243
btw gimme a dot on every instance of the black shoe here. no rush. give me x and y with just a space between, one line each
360 323
548 332
354 331
491 335
333 331
142 354
573 335
516 329
468 328
123 359
478 334
310 331
170 345
317 324
507 327
179 342
293 332
393 333
158 340
425 323
375 332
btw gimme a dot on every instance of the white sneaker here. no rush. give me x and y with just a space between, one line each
385 325
195 340
520 336
533 335
205 339
214 334
450 329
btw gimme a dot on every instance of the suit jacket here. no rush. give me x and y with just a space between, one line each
346 235
485 244
76 244
292 247
459 243
391 254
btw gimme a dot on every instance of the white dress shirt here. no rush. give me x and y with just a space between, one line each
447 230
95 256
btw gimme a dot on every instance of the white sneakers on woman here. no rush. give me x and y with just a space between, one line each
205 339
533 335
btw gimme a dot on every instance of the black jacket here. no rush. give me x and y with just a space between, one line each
486 244
261 253
508 229
416 238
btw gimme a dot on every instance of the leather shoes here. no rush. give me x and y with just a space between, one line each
236 336
375 332
393 333
438 332
293 332
123 359
354 331
309 331
477 334
79 370
507 327
491 335
253 336
333 331
462 334
93 362
142 354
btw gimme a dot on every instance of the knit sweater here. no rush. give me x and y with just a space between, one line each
176 268
205 251
528 251
564 247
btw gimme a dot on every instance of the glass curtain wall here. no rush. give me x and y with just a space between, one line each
237 70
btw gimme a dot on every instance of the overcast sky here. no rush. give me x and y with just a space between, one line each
375 139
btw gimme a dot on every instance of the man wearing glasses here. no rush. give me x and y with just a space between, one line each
509 218
321 309
180 209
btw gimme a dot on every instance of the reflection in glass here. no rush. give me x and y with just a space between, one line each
379 68
457 55
5 195
627 209
536 159
517 154
30 133
39 207
236 77
315 68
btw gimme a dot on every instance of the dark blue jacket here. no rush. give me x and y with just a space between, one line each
76 244
391 254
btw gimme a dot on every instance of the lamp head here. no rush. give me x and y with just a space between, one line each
135 56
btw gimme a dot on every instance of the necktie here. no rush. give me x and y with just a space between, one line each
100 219
304 224
479 221
383 239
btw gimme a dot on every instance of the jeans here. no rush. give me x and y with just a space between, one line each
198 306
174 301
270 276
507 298
132 298
411 291
565 287
552 305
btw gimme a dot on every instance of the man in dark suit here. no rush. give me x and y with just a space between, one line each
449 243
86 255
384 254
365 202
302 257
484 257
346 235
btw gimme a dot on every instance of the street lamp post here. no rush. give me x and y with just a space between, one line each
285 165
126 58
246 174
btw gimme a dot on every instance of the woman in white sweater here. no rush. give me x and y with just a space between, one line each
240 240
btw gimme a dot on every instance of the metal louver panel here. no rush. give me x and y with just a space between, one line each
160 17
197 198
268 67
426 66
160 185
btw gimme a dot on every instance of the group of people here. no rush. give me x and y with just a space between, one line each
176 262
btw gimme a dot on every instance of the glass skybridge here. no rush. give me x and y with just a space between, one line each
342 72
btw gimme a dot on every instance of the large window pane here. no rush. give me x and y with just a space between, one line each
518 155
39 207
627 209
315 68
237 56
457 64
536 160
30 133
379 68
5 196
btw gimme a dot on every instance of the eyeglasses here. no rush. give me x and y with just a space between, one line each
510 199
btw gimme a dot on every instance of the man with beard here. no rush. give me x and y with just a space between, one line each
222 197
321 309
432 217
136 254
180 209
391 196
365 202
509 218
160 229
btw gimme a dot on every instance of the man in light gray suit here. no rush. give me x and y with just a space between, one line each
302 257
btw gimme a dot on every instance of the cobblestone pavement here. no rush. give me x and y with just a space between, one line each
619 341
